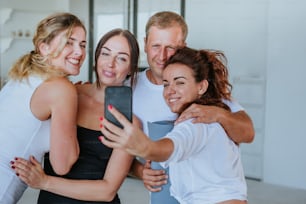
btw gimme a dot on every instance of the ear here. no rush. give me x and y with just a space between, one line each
44 49
145 44
203 85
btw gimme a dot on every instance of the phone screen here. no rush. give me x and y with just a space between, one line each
119 97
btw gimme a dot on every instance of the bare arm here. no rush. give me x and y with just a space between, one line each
118 167
238 125
57 99
90 190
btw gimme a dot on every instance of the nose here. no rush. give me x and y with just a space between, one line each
111 61
78 50
170 89
163 54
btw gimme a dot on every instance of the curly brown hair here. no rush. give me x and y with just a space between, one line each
207 65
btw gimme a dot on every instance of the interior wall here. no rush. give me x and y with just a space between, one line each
26 12
265 39
285 140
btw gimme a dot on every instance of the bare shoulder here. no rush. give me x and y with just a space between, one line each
83 88
59 87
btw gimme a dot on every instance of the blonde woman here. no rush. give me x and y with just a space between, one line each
38 105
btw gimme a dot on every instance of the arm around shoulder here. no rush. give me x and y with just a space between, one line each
238 126
62 101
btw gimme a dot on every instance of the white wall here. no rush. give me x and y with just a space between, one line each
25 17
285 142
268 39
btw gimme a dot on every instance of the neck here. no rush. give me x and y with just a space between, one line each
153 79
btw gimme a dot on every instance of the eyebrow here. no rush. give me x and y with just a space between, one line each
176 78
74 39
179 77
122 53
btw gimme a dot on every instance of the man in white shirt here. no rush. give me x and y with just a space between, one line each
165 32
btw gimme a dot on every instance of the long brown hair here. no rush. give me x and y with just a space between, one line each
134 49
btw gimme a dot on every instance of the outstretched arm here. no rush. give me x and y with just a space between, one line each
238 125
133 140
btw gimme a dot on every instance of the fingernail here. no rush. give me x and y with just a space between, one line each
100 138
13 167
101 118
12 162
17 174
110 106
101 126
16 158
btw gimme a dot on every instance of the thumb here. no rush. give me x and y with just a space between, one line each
33 160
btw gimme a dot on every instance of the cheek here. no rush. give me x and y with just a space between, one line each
123 72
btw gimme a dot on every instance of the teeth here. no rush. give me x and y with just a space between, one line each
172 100
74 61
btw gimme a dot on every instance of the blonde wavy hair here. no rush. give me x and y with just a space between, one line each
47 29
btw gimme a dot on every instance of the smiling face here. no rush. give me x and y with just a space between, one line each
70 59
160 45
180 87
113 64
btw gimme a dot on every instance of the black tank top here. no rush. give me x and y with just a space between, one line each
91 164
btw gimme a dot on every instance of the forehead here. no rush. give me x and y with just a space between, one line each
167 36
78 33
117 43
177 69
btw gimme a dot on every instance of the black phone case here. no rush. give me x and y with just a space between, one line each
119 97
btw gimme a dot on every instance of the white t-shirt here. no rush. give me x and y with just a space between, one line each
148 102
205 166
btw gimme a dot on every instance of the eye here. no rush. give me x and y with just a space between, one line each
122 58
179 82
83 45
166 84
69 42
104 53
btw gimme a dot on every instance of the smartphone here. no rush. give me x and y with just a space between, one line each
119 97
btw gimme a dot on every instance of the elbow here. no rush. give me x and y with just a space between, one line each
110 197
249 135
63 167
107 196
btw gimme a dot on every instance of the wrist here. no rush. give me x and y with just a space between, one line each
46 183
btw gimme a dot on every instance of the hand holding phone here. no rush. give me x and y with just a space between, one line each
119 97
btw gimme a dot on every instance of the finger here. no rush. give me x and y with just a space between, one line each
20 170
34 161
153 189
108 142
19 163
109 129
109 137
147 164
119 116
